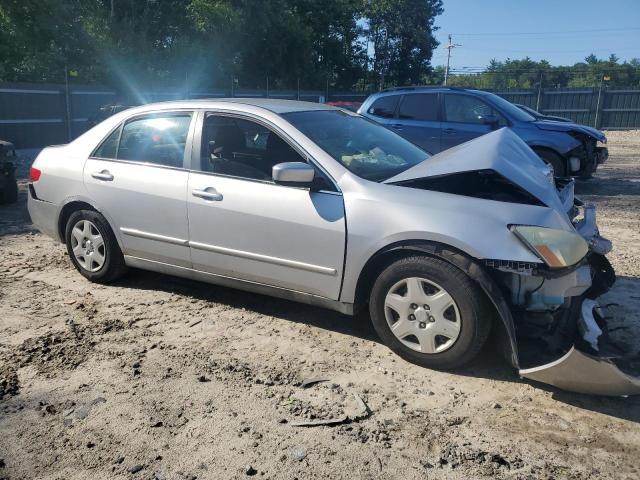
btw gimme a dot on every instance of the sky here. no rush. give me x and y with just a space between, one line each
560 31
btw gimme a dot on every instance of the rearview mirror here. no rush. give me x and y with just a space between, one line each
293 173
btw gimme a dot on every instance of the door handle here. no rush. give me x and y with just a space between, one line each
396 126
449 131
103 175
208 193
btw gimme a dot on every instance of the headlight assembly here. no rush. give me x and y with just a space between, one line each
557 248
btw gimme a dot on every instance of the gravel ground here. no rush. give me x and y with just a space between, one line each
159 377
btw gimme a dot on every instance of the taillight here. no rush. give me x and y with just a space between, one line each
34 174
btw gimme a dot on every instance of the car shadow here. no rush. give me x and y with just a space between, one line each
489 364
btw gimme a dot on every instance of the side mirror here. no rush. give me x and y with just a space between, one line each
298 174
491 120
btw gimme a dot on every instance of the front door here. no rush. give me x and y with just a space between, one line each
242 225
138 180
464 119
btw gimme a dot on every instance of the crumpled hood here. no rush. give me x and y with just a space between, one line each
567 127
502 151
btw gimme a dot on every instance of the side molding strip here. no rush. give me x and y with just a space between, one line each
132 232
264 258
230 251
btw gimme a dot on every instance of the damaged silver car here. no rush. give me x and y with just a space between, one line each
320 205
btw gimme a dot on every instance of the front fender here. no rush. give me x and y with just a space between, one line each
507 337
560 142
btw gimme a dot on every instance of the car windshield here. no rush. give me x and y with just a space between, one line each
511 110
365 148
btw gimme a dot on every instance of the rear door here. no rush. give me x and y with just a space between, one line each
418 120
244 226
464 118
137 178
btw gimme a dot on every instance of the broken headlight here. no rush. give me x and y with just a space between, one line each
557 248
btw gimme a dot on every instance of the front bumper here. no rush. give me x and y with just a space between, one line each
571 348
586 367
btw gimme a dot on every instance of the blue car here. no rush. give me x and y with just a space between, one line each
438 118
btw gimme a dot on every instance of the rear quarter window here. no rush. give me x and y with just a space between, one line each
384 107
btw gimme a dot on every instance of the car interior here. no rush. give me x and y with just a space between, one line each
241 148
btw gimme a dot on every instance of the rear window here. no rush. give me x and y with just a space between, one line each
422 106
384 107
158 139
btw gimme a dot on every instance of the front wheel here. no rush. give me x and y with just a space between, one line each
554 160
430 313
93 247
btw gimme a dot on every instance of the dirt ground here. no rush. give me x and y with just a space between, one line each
158 377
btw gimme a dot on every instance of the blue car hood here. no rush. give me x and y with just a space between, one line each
567 127
501 151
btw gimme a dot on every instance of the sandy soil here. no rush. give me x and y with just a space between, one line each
157 377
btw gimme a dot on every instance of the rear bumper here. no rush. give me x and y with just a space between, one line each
44 215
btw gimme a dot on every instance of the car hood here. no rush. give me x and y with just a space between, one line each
501 151
555 126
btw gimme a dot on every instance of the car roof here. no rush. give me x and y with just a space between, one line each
426 88
274 105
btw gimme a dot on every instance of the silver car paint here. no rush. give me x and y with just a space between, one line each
311 263
377 214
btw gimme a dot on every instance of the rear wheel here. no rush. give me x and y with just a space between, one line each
93 248
430 313
553 159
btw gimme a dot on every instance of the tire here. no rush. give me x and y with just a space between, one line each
10 191
100 259
469 315
553 159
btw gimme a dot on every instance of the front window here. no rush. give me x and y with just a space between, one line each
469 109
364 147
511 110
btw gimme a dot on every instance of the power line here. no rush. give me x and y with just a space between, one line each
560 32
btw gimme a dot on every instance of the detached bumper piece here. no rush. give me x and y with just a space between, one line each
581 372
589 361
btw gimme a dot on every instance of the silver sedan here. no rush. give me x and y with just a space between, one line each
319 205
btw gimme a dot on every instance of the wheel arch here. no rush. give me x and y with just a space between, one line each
544 148
73 205
505 335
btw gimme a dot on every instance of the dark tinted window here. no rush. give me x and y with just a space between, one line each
364 147
109 147
242 148
385 106
468 109
159 139
423 106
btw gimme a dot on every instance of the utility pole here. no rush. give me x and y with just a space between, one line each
449 47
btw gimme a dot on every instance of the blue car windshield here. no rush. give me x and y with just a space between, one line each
511 110
364 147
